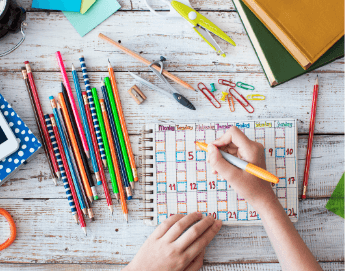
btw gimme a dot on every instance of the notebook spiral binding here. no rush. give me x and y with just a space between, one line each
147 174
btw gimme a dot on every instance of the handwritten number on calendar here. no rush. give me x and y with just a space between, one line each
232 215
253 214
190 155
213 214
270 151
291 212
172 186
291 180
212 185
289 151
192 186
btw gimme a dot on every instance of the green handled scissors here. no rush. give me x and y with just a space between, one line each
202 26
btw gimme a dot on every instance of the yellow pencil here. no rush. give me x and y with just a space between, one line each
250 168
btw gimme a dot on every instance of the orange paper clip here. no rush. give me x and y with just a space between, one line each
203 89
242 101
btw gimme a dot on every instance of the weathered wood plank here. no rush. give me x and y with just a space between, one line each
332 266
326 169
140 32
290 100
48 234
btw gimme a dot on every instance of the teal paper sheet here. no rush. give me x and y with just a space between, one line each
336 202
98 13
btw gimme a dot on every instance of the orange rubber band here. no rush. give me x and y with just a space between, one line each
10 220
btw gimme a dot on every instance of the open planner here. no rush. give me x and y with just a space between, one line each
176 177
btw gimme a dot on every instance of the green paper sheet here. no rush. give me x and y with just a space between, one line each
336 202
99 12
85 5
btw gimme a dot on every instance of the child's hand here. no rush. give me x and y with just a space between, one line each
256 191
170 248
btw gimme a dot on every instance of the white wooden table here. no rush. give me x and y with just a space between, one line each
49 239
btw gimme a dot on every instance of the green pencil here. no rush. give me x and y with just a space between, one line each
105 142
119 129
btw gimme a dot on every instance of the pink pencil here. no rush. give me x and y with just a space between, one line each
73 104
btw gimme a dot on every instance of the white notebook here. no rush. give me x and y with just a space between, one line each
177 179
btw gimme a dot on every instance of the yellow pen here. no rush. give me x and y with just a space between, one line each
250 168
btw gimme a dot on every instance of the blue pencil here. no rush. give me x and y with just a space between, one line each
68 156
117 142
86 126
93 111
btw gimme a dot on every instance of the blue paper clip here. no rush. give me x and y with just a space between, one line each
245 86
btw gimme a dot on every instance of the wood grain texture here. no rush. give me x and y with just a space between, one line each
48 234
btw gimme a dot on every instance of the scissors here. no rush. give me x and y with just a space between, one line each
170 92
200 23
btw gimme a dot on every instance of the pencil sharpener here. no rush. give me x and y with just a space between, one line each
136 94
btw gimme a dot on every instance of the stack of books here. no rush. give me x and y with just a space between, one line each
291 38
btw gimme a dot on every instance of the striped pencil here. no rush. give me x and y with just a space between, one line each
93 110
114 159
98 156
87 129
67 153
50 121
41 119
119 156
123 123
72 101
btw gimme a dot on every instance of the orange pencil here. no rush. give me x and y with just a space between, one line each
75 147
123 123
114 158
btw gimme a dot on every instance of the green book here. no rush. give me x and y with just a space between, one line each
277 63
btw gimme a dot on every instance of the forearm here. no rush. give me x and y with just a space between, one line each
292 252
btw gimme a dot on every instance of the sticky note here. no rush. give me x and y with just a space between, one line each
336 202
99 12
64 5
85 5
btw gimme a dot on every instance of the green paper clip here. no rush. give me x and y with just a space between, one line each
245 86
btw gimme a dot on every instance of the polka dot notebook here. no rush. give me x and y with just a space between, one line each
28 143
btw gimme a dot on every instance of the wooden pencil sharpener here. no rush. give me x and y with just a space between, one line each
137 95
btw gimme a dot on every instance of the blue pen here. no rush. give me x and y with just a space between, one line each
86 126
68 156
93 111
117 143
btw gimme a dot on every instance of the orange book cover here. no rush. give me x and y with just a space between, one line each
306 28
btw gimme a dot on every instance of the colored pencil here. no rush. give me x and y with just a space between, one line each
98 156
123 123
44 144
67 153
119 140
145 61
86 126
79 146
73 104
51 124
106 144
310 138
115 141
114 159
41 119
93 110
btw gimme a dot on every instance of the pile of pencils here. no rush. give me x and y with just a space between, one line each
100 135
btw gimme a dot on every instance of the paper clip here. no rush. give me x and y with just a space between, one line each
226 83
245 86
244 102
204 88
231 102
256 97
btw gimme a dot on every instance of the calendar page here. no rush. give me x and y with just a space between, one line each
185 182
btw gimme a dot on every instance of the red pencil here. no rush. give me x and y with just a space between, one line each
98 155
68 174
310 139
41 119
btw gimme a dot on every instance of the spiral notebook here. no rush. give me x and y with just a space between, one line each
177 179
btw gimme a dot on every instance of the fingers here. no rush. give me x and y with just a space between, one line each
194 232
180 226
194 249
166 225
197 263
233 135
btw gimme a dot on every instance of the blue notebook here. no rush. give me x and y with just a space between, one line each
28 143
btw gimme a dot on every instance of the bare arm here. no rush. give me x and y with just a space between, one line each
292 252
